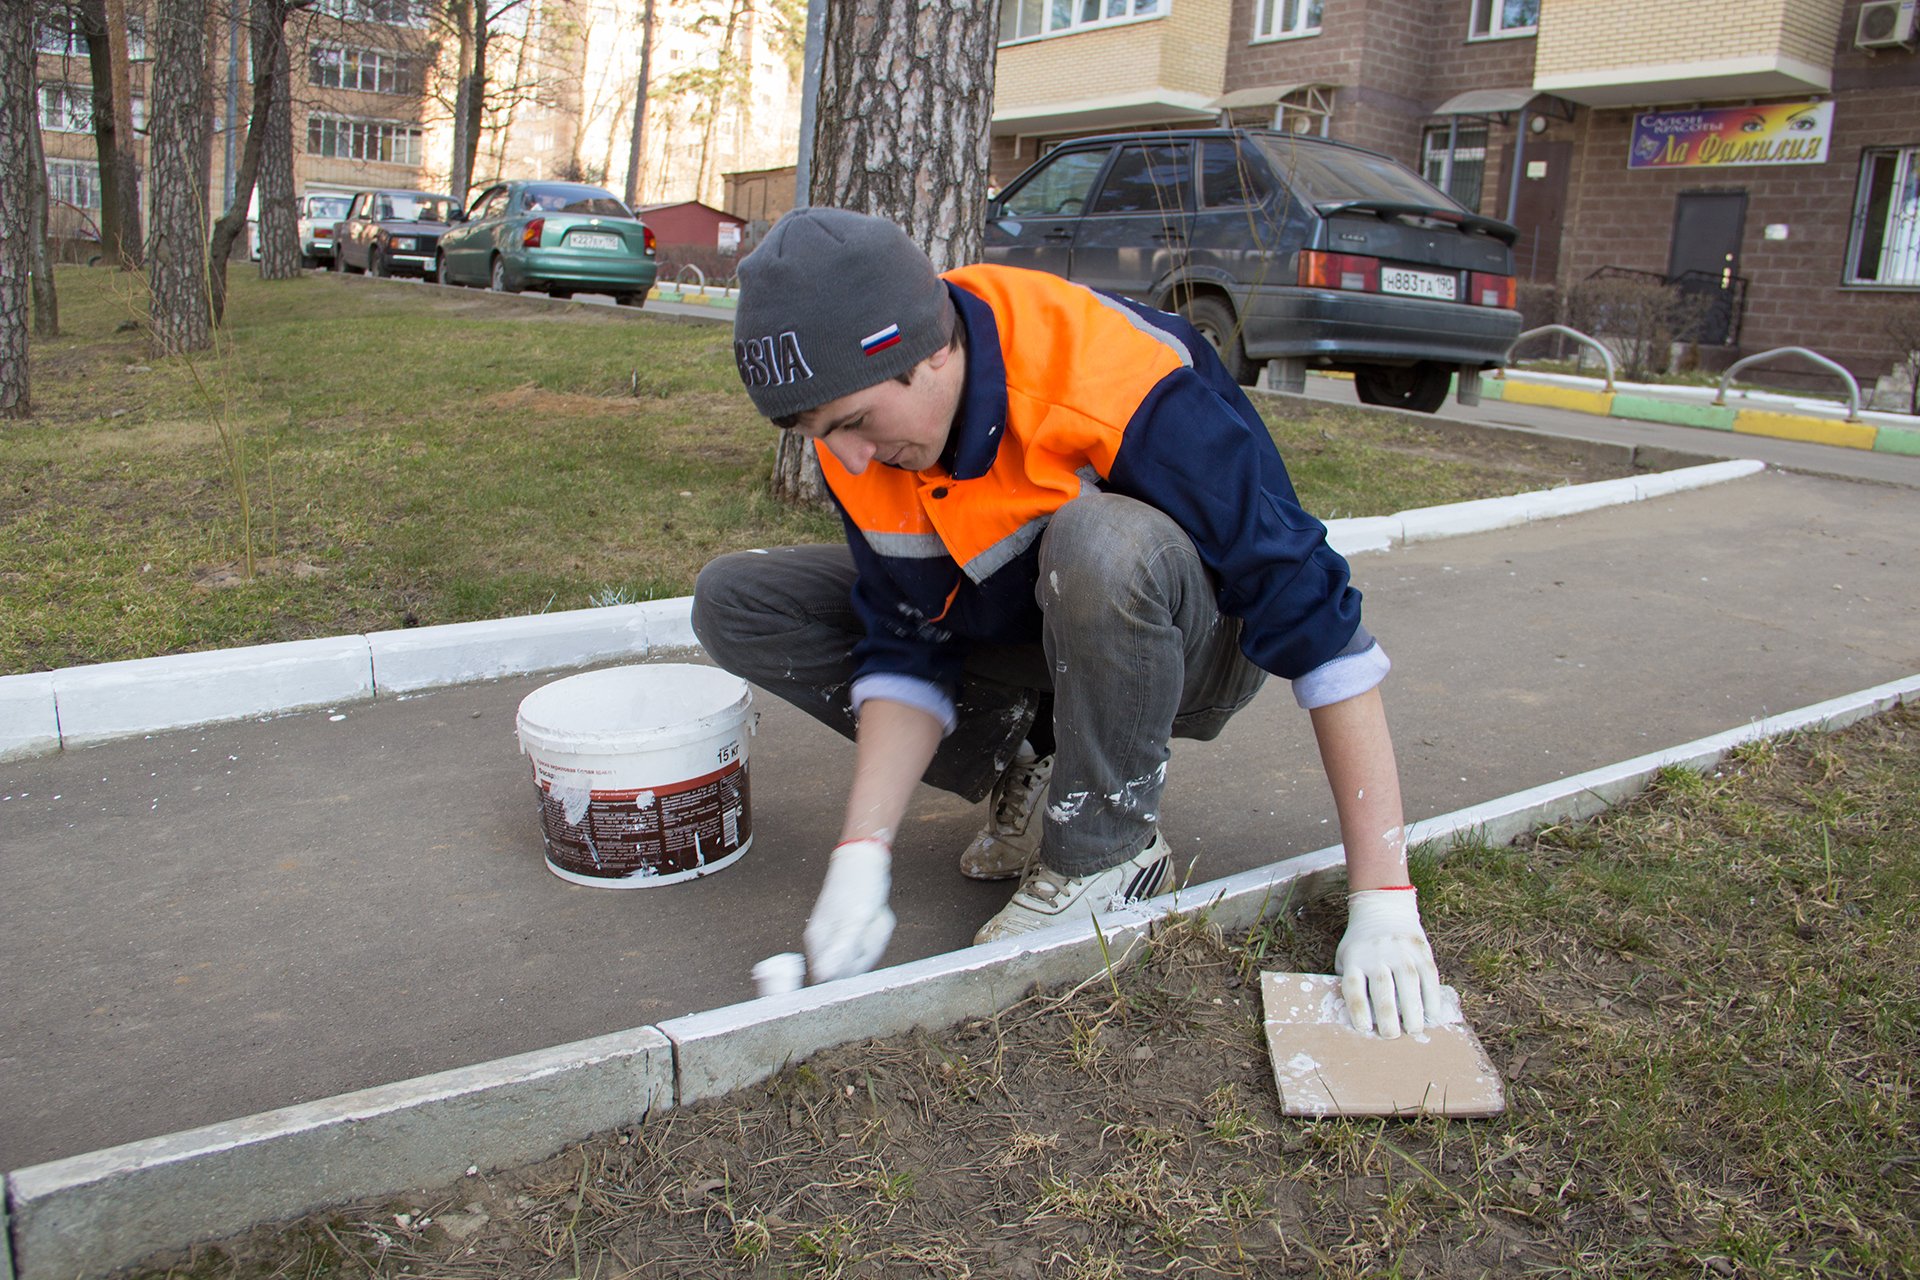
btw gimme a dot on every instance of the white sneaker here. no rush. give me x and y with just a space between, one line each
1009 842
1046 897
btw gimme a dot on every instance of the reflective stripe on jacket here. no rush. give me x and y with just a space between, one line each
1068 389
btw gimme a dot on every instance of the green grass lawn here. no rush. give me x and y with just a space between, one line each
418 456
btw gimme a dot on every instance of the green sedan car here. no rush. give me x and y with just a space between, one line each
560 238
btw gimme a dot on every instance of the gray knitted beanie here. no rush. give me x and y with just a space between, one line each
833 302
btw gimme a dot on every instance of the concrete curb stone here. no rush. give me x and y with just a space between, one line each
29 717
465 652
88 1214
147 695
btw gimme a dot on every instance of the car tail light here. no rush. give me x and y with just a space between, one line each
323 233
649 234
1488 290
1322 270
530 238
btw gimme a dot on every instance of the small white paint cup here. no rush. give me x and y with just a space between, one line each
777 975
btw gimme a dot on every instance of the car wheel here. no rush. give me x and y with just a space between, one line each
376 265
560 294
498 280
1422 388
1214 319
338 262
632 299
440 275
308 262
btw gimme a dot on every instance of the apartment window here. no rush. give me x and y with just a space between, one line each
395 13
363 140
74 182
66 108
1281 19
1886 221
1029 19
367 70
1492 18
1462 177
61 33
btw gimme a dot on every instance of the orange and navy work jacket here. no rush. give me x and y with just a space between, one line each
1071 391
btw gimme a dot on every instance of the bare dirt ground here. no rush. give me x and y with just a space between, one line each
1706 1005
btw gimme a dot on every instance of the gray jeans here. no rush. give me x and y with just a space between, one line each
1134 650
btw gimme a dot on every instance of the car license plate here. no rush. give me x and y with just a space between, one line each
594 240
1419 284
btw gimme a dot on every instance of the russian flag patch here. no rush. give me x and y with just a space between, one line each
874 343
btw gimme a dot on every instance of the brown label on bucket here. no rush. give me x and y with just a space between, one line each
659 831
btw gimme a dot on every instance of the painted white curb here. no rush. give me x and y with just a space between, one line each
88 1214
465 652
29 722
124 699
148 695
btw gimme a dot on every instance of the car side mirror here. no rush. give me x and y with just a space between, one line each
456 215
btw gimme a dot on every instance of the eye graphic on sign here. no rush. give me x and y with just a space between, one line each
1803 120
1753 124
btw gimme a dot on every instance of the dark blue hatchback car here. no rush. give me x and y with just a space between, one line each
1278 247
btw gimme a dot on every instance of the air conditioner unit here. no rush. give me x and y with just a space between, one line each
1885 24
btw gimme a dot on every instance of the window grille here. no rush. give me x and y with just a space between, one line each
1885 246
377 140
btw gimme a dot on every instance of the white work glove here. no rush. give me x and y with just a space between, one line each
851 923
1386 968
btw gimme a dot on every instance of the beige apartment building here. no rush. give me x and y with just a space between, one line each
360 71
1764 154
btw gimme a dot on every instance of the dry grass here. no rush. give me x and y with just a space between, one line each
1707 1005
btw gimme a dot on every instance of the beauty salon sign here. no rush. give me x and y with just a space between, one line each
1780 133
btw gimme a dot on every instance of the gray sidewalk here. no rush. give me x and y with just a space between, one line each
212 923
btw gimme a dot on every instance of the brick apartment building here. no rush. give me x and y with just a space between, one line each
1764 152
360 70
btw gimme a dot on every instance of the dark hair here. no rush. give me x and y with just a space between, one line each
956 341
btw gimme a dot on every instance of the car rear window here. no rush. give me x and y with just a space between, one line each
573 200
397 207
1319 174
327 207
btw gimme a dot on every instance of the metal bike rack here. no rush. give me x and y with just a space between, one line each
699 277
1853 387
1595 343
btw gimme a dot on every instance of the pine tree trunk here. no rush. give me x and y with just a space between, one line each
104 23
46 302
177 146
901 131
279 217
902 126
18 120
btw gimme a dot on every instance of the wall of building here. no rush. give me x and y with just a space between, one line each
1579 36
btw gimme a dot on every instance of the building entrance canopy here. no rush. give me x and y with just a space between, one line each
1486 104
1306 106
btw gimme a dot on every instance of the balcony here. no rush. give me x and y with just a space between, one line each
1154 63
1653 52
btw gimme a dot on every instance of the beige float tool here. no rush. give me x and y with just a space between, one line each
1325 1067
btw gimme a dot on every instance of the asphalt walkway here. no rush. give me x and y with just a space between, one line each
211 923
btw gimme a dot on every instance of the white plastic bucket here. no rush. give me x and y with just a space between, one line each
642 773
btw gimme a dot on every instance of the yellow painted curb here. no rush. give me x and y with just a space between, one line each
1600 402
1794 426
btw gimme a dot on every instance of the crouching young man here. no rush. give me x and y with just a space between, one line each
1069 539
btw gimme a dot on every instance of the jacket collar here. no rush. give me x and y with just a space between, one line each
983 407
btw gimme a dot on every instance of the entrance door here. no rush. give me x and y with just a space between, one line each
1705 259
1542 207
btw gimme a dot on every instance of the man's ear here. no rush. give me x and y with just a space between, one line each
938 360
